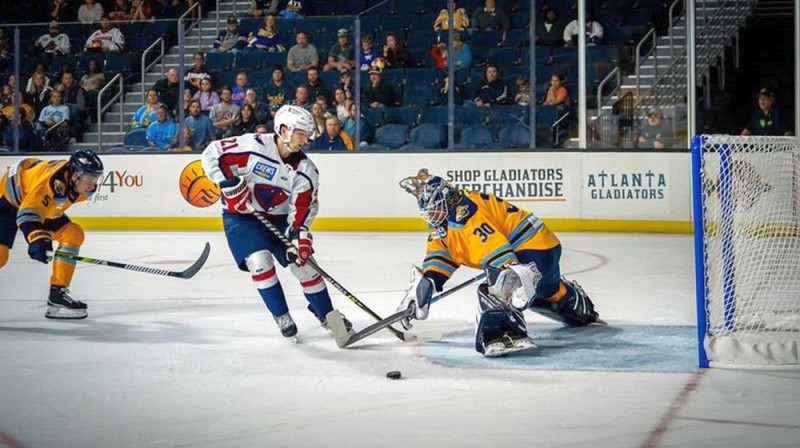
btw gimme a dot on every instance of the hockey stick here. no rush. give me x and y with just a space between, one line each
187 273
288 244
345 339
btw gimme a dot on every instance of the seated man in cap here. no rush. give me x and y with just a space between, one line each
653 132
341 57
767 119
231 39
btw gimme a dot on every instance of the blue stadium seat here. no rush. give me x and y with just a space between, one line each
503 57
330 79
518 38
395 24
418 77
118 63
434 115
470 115
392 135
515 136
546 115
388 8
219 61
395 77
296 78
501 116
157 29
374 115
136 138
416 7
258 78
423 38
249 60
225 78
427 135
271 60
419 95
408 115
476 136
325 9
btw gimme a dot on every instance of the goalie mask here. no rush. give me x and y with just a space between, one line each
435 196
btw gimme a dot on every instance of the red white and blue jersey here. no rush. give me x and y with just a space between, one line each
279 186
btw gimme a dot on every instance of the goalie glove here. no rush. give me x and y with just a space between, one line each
417 298
300 249
237 194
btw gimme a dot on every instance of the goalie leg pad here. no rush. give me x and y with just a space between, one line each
575 309
262 271
496 321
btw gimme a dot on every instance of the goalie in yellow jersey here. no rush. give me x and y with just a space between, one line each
34 195
516 249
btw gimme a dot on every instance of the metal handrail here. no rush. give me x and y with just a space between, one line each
616 72
101 108
652 36
146 67
671 28
216 22
192 24
555 127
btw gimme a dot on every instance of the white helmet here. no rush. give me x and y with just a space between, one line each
295 117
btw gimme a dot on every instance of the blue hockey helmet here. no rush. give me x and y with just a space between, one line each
434 196
86 162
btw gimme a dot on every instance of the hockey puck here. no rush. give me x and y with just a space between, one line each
393 375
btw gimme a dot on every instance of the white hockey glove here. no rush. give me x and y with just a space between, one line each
417 298
237 194
516 284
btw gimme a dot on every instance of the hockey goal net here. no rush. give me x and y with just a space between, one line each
747 238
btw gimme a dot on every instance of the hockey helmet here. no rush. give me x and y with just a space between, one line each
86 162
435 196
295 118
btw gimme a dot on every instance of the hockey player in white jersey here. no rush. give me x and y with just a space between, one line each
269 174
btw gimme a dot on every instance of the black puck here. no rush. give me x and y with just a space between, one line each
394 375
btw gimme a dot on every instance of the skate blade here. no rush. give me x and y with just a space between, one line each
57 312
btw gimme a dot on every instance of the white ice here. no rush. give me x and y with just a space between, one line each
164 362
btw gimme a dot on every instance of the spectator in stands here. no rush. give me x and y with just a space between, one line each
346 83
173 9
653 130
316 89
262 129
91 83
260 8
161 132
38 92
11 83
76 99
301 97
302 55
6 52
147 113
240 89
767 119
333 138
26 109
462 53
318 114
594 33
340 57
200 125
368 53
493 90
141 10
367 132
197 72
267 37
259 108
5 96
245 122
27 137
55 114
187 98
460 19
441 93
120 10
296 9
207 96
550 31
523 96
187 134
59 10
106 39
41 67
339 98
557 94
90 12
490 17
54 43
277 91
232 39
395 53
169 88
379 94
223 115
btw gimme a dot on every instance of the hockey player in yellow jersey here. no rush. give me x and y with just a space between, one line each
34 195
516 249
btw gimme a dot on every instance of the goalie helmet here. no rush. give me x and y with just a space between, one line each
435 196
295 118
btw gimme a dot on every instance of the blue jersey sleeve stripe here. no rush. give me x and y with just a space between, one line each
28 215
438 264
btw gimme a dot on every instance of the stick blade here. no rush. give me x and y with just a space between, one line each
336 324
197 265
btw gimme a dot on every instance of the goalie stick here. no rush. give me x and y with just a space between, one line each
288 244
186 274
345 339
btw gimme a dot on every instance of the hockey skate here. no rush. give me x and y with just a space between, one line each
324 321
574 310
507 344
287 325
60 305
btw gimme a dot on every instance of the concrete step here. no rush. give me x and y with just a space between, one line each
110 127
109 138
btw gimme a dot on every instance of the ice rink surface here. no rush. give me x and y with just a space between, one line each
164 362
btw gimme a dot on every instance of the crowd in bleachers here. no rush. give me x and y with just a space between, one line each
302 52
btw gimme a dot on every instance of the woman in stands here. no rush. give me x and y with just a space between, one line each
245 122
318 112
38 93
207 96
395 52
557 94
